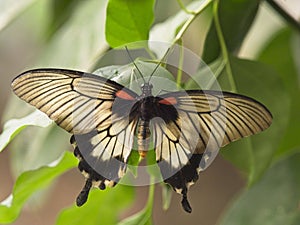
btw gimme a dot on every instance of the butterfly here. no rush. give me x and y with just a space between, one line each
107 121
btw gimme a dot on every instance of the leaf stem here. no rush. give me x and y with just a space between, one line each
187 23
180 65
151 193
223 46
185 26
228 69
182 6
252 162
149 206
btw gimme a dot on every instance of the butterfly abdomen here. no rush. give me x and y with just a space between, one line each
143 131
143 137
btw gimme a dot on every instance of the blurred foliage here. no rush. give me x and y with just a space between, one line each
253 155
286 43
30 182
275 197
236 18
76 33
103 207
61 12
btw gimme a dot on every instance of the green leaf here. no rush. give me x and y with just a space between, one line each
143 217
235 18
274 200
102 207
14 126
285 44
31 181
254 154
128 21
128 76
31 153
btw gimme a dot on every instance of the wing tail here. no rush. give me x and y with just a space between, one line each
181 180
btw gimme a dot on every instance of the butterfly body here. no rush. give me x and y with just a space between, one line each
146 108
105 119
145 101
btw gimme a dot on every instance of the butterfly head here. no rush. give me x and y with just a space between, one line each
146 89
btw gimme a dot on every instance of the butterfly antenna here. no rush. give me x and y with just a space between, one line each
160 62
135 64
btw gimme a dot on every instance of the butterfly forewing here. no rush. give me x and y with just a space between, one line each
238 115
78 102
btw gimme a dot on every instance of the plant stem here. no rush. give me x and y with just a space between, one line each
182 6
151 193
187 23
180 64
190 20
149 206
223 46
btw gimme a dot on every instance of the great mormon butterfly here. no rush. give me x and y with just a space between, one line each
105 118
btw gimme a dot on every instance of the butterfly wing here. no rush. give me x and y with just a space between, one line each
101 116
201 123
95 110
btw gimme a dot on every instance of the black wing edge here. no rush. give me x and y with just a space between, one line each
183 179
69 72
94 179
215 93
50 70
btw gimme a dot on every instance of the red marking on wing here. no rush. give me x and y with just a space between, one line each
168 101
124 95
